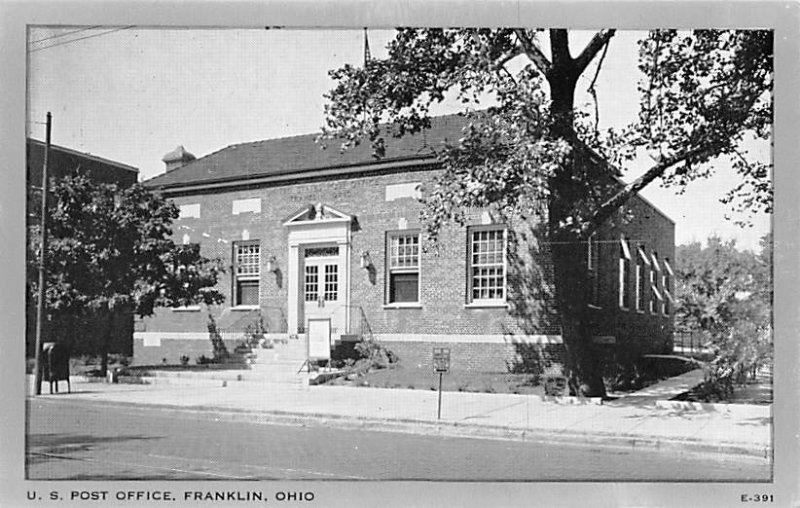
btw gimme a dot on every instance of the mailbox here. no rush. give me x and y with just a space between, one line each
55 365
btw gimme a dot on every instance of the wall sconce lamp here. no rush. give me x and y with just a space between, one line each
366 262
272 265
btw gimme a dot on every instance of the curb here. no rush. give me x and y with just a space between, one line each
457 429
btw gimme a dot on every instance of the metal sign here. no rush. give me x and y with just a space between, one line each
441 359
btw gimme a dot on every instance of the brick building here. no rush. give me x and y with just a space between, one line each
80 332
326 247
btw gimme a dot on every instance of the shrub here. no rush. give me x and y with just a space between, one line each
218 345
374 355
555 383
254 333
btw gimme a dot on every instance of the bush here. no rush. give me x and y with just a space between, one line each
372 355
254 333
376 353
555 383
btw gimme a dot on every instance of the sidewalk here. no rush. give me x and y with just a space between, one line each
643 419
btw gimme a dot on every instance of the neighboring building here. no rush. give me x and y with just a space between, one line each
63 162
324 247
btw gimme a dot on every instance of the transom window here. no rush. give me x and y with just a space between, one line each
318 252
487 252
247 272
403 267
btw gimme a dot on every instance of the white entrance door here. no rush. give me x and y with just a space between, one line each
322 298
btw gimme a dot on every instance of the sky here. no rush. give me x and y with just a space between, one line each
133 94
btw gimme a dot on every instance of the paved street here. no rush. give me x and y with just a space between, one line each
74 439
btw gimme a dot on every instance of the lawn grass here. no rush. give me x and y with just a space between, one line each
418 378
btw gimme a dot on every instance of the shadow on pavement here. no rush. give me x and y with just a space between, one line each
757 422
39 446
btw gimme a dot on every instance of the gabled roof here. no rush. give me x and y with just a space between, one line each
82 155
300 155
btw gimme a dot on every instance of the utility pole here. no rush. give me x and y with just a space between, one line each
40 311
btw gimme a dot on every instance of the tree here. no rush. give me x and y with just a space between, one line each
109 250
726 294
527 150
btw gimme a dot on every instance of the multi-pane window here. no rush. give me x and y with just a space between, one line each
641 278
321 274
592 264
487 252
331 289
247 272
666 278
311 283
624 274
655 294
403 268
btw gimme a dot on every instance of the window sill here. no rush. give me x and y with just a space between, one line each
594 307
486 305
409 305
626 309
190 308
245 308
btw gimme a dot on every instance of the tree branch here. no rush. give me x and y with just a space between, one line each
628 191
533 52
559 48
509 56
599 40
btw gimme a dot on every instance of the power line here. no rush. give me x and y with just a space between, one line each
65 34
82 38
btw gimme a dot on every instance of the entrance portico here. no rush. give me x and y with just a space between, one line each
318 276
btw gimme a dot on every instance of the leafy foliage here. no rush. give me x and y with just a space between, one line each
525 149
712 89
109 249
727 295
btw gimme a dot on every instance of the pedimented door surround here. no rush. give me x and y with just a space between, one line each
317 226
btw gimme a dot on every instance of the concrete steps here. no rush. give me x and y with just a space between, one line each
280 364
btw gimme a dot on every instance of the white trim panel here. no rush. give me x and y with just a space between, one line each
469 339
189 211
246 205
155 338
403 190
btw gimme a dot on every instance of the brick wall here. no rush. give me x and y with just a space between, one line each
170 351
481 357
443 273
635 331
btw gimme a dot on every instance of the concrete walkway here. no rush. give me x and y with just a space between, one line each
664 390
638 420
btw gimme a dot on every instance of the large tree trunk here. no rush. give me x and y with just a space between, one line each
568 246
569 252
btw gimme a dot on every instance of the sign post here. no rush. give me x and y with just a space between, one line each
441 364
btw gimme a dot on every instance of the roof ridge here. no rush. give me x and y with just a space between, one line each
89 155
440 127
